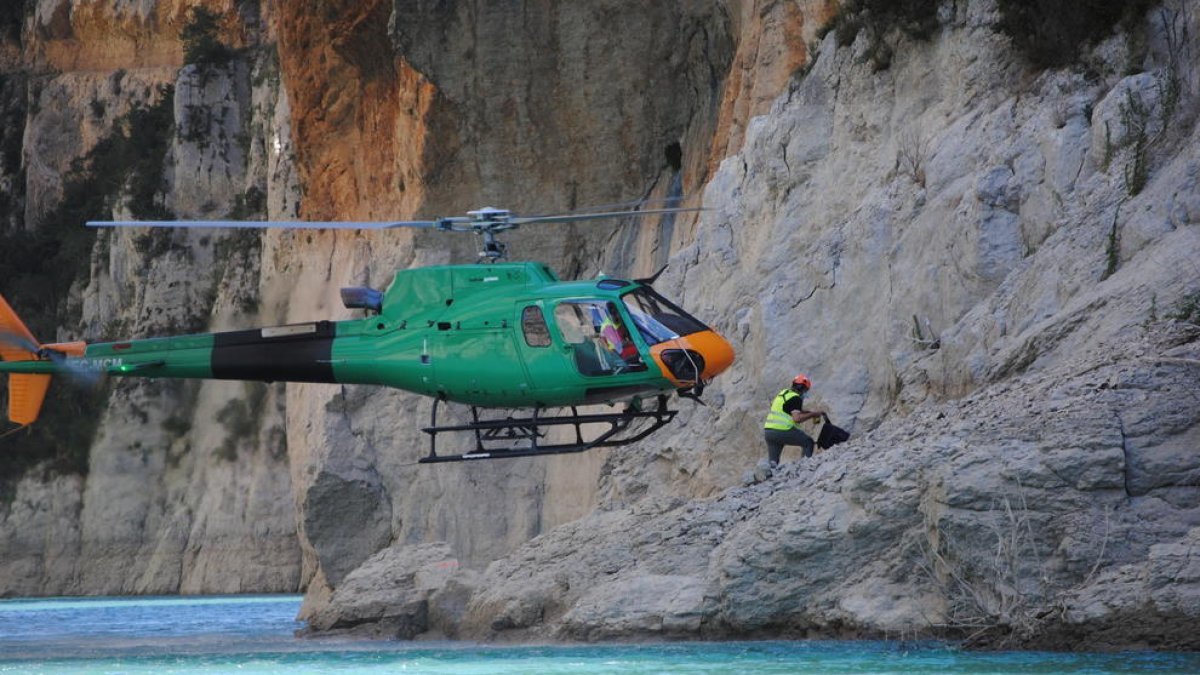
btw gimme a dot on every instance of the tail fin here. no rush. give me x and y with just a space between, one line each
26 391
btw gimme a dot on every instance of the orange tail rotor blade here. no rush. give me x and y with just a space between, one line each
11 324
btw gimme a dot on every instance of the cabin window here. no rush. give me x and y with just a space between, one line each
597 337
537 333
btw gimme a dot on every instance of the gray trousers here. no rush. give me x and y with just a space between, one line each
777 438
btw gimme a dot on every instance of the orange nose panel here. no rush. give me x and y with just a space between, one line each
717 352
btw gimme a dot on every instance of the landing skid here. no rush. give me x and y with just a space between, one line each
530 431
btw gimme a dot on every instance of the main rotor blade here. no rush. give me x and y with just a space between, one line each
631 205
280 224
567 218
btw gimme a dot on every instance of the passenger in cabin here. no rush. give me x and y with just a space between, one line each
602 343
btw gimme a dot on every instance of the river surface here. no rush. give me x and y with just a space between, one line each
254 634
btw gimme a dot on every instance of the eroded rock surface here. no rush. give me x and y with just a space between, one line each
954 250
982 267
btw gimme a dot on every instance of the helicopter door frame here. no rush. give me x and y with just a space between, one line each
545 365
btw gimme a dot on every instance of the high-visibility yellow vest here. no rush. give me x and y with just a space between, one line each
611 340
777 418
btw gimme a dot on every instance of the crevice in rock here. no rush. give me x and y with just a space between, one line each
1125 453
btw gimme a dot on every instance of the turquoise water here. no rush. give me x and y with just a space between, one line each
254 634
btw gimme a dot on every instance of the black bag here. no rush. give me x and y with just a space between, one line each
831 435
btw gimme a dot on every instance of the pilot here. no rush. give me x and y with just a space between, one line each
787 410
616 338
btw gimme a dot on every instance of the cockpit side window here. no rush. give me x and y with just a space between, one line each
656 318
533 324
600 341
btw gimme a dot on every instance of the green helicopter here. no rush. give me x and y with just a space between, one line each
491 335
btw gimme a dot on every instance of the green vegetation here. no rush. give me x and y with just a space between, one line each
917 19
156 243
1052 33
1135 117
200 43
12 18
240 418
176 425
1187 309
39 267
13 90
251 204
241 248
58 444
1112 252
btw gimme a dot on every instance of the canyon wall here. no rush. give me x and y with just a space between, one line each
988 268
359 111
186 484
989 272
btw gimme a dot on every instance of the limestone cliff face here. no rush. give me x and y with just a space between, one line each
368 111
580 109
975 264
186 487
975 261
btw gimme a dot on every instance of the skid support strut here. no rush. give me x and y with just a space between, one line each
523 436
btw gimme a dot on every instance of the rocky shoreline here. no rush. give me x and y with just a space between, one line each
916 530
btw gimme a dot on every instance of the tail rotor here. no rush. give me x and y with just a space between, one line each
27 385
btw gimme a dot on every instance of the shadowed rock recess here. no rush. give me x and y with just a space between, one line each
989 268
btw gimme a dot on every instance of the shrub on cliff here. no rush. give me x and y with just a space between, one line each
12 18
915 18
1051 33
200 43
1188 309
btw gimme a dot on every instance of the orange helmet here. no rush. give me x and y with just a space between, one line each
802 380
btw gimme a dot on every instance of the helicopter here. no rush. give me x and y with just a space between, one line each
489 335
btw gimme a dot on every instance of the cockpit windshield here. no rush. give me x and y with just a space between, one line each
656 318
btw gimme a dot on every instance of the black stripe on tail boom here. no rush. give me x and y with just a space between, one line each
297 353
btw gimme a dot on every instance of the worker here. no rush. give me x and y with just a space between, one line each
787 410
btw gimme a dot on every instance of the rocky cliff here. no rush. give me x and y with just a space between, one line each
181 487
988 269
366 110
986 262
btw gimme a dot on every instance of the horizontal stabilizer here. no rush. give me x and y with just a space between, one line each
26 392
76 349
